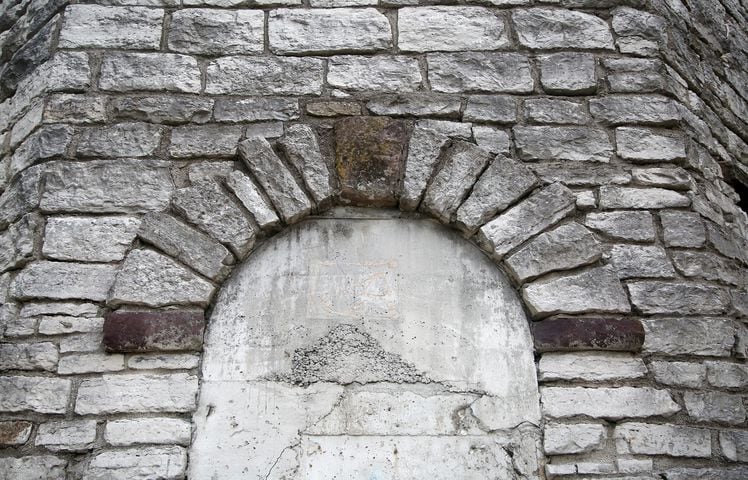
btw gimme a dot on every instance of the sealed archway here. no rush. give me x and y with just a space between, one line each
367 348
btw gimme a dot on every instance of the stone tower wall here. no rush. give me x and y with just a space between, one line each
589 147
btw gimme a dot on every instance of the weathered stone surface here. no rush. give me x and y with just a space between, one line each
26 124
259 75
44 467
707 336
725 242
563 248
608 403
81 342
93 26
17 242
168 463
640 33
28 356
133 393
568 73
216 32
722 473
34 394
424 150
267 130
428 29
454 130
287 196
679 374
163 109
255 109
186 244
632 261
462 165
417 104
166 361
634 109
650 297
204 141
127 432
531 216
581 174
379 73
634 75
612 197
555 111
122 72
727 375
74 309
590 366
718 407
90 363
75 109
708 266
14 432
208 207
542 28
302 151
89 239
668 177
645 145
62 280
559 439
734 445
46 142
671 440
145 331
490 108
210 171
103 186
60 324
637 226
334 109
594 290
250 197
328 30
67 436
149 278
370 153
492 139
120 140
563 143
479 72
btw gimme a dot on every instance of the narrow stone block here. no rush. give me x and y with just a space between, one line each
590 366
256 109
418 104
123 433
588 333
608 403
153 331
162 109
135 393
302 151
250 197
152 462
612 197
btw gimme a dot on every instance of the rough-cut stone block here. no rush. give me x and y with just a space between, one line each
490 108
461 167
563 248
667 177
480 72
279 184
454 130
679 374
612 197
418 104
323 30
734 445
542 209
60 324
75 109
333 109
639 33
634 109
428 29
644 145
632 261
634 75
168 463
379 73
424 150
588 333
492 139
590 366
594 290
160 109
706 336
555 111
67 436
581 174
718 407
14 432
44 467
205 141
61 281
34 394
28 356
259 75
120 140
650 297
47 142
563 143
81 342
370 153
104 186
559 439
302 151
671 440
608 403
255 109
709 266
90 363
207 206
133 393
250 197
144 331
637 226
149 278
127 432
89 239
17 242
122 72
93 26
216 32
727 375
74 309
542 28
721 473
568 73
166 361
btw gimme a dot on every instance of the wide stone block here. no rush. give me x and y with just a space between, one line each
726 408
428 29
679 374
67 436
418 104
560 439
89 239
216 32
612 197
62 280
671 440
28 356
542 28
641 261
328 30
563 143
136 393
651 297
34 394
722 473
205 141
709 266
260 75
168 463
645 145
675 178
568 73
75 109
302 151
607 403
93 26
162 109
635 109
636 226
149 331
45 467
588 333
127 432
380 73
63 324
590 366
727 375
707 336
480 72
120 140
77 363
333 109
255 109
122 72
166 361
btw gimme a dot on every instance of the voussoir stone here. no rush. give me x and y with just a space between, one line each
250 197
150 71
672 440
168 463
89 239
424 150
563 143
302 151
380 73
608 403
644 145
34 394
450 28
132 393
45 467
542 28
146 331
480 72
63 280
93 26
638 32
705 336
216 32
651 296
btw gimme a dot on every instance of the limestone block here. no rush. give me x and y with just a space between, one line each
380 73
637 226
590 366
718 407
650 297
492 139
608 403
583 174
634 109
708 266
490 108
216 32
638 32
424 150
61 281
727 375
644 145
555 111
204 141
328 30
120 140
14 432
74 309
93 26
61 324
127 432
168 463
594 290
17 242
734 445
175 361
34 394
75 109
672 440
722 473
563 143
333 109
26 124
568 73
162 109
303 153
90 363
417 104
122 72
560 439
636 261
250 197
131 393
44 467
454 130
634 75
28 356
47 142
428 29
260 75
159 330
255 109
542 28
479 72
67 436
668 177
688 336
612 197
149 278
89 239
563 248
679 374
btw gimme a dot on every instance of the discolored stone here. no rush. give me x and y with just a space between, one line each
14 432
370 153
588 333
154 331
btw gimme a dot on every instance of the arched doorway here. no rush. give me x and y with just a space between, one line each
364 345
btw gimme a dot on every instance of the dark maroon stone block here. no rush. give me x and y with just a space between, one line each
154 331
568 334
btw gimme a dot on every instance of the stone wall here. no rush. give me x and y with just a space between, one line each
588 147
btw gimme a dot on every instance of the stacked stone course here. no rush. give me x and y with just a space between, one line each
148 146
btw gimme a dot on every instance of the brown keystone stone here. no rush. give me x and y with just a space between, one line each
370 153
144 331
568 334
